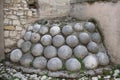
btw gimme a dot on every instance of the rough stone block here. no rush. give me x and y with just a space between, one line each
9 27
6 33
9 43
107 16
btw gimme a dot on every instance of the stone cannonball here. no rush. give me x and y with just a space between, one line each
103 58
78 27
27 35
46 40
37 50
96 37
36 27
91 61
73 64
54 64
90 26
72 40
64 52
54 30
15 55
84 38
93 47
19 43
43 30
35 37
40 62
80 51
67 30
26 60
58 40
26 46
50 52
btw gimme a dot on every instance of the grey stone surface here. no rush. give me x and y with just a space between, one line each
46 40
73 64
43 30
96 37
90 72
54 64
58 40
37 49
36 27
78 27
50 52
72 40
84 38
19 43
103 58
64 52
26 46
15 55
67 30
80 51
27 35
91 61
40 62
90 27
54 30
93 47
26 60
35 37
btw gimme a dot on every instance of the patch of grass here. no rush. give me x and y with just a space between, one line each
64 66
106 72
82 65
118 76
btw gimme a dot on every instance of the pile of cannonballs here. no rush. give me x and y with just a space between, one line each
61 46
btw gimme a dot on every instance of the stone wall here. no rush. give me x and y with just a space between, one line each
16 16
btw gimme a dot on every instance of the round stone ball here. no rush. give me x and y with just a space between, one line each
73 64
80 51
26 46
78 27
84 38
43 30
50 52
36 27
72 40
103 58
54 30
96 37
67 30
91 61
58 40
27 35
26 60
90 26
54 64
19 43
93 47
35 37
64 52
37 50
15 55
46 40
40 62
